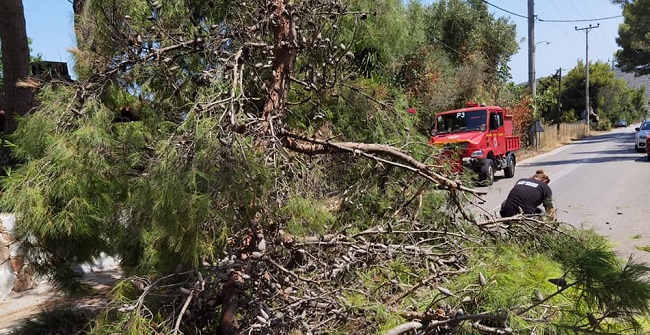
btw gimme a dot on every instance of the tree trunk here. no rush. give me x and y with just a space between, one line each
15 60
82 33
78 6
284 57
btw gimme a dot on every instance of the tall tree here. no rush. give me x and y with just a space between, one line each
232 103
473 38
629 102
386 36
612 97
634 55
15 59
234 159
468 32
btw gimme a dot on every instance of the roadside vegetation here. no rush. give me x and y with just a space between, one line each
262 167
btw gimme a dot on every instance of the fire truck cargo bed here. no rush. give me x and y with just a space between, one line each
512 143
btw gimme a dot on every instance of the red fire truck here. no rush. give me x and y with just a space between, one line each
479 137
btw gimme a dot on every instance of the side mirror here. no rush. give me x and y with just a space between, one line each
637 128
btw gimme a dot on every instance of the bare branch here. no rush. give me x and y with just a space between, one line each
405 328
315 146
182 312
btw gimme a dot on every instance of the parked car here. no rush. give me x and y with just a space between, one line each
641 136
621 123
647 146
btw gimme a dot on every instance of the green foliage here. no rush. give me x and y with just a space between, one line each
547 106
512 271
634 55
618 101
307 217
67 192
432 210
614 292
173 189
468 33
429 80
181 195
393 30
384 283
514 275
131 310
454 24
49 322
351 114
87 188
611 98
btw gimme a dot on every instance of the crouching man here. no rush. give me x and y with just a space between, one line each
528 195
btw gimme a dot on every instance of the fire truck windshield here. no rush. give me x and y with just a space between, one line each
461 121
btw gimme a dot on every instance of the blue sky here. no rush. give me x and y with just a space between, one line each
50 26
567 45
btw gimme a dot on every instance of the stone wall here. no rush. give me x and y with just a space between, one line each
15 274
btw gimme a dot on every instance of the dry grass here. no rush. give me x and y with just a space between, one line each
553 138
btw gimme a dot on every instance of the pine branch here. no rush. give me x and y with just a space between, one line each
312 146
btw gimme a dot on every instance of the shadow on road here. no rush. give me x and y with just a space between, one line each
623 151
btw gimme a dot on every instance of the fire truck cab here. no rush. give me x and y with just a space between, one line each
481 137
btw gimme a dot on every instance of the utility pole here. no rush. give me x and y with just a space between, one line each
531 69
559 98
587 30
531 52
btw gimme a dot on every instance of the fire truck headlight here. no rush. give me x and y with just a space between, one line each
477 154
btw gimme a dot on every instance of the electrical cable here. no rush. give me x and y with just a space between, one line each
585 20
546 20
507 11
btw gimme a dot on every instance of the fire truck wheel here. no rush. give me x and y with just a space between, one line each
487 173
509 170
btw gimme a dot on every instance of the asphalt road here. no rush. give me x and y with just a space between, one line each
599 182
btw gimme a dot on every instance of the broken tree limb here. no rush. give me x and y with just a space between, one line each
404 328
312 146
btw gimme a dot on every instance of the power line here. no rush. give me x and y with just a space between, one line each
505 10
598 19
586 7
570 3
556 9
553 20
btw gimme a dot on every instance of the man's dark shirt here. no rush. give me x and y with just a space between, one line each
526 196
